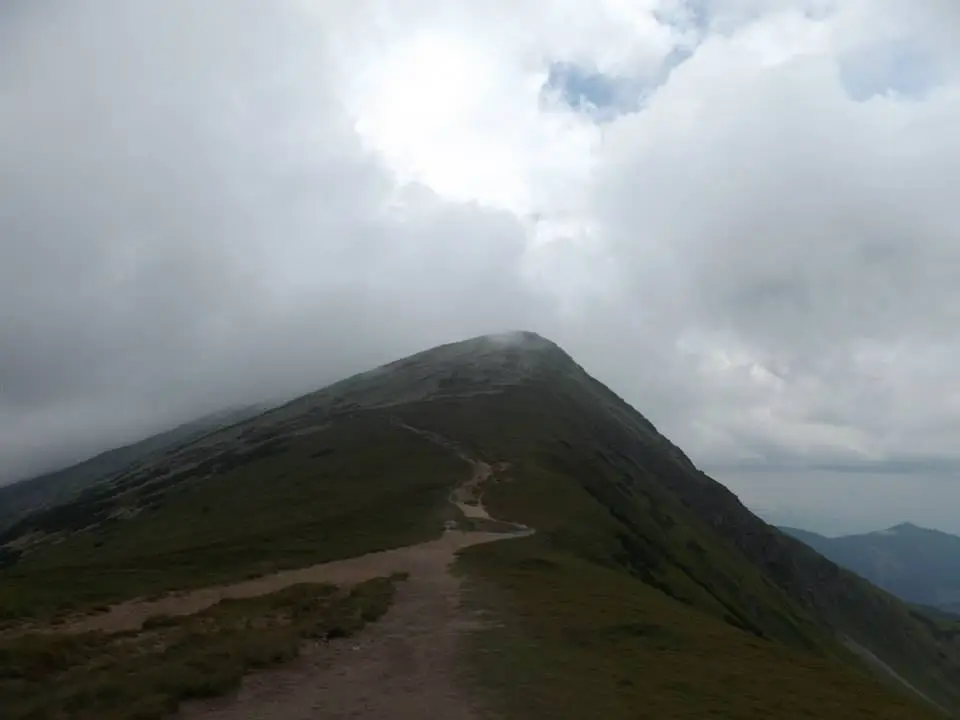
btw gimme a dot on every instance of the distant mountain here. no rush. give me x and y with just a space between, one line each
647 589
59 486
916 564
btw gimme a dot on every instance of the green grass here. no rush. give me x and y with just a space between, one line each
585 500
570 639
601 485
147 674
644 574
324 496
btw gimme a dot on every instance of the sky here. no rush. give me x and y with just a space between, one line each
740 215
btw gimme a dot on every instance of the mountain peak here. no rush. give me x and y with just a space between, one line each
499 357
480 365
520 338
525 341
487 434
903 528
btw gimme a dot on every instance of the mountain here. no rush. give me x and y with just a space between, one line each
58 486
916 564
626 582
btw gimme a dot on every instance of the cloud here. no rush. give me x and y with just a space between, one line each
753 240
799 229
191 219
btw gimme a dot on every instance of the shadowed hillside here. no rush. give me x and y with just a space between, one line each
61 485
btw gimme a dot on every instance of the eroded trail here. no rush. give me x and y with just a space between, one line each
402 667
429 558
426 558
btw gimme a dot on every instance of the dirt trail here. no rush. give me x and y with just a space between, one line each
400 668
468 497
428 556
433 556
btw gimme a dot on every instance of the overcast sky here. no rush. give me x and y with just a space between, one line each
743 215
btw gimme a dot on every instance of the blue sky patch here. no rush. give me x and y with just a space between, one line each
606 96
587 90
689 15
898 67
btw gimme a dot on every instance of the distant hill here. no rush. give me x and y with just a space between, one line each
58 486
647 589
916 564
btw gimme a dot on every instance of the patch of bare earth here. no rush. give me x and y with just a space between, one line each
430 557
400 668
468 496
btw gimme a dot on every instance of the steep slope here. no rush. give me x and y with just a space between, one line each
570 435
51 488
642 572
807 537
915 564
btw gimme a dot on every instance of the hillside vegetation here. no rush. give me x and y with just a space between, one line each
147 674
577 640
648 590
59 486
237 514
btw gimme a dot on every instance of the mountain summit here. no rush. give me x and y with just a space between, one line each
482 364
906 527
623 580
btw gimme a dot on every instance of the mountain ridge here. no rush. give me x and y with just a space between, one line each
919 565
59 485
682 564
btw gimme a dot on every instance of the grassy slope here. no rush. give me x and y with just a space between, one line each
331 494
19 498
146 675
576 640
637 542
606 491
586 501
